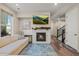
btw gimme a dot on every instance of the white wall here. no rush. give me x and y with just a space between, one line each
28 17
72 28
56 25
52 26
25 25
36 14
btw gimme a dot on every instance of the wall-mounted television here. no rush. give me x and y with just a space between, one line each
40 19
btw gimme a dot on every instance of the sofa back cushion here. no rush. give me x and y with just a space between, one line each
7 40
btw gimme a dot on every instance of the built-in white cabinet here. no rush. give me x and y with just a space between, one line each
72 28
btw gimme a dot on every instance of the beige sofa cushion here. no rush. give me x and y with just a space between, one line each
6 40
9 49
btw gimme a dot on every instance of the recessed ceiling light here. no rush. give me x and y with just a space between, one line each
17 4
55 4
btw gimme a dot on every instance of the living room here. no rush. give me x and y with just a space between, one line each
39 29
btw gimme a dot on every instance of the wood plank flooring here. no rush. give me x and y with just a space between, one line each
62 49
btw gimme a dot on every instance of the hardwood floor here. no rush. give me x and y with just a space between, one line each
63 49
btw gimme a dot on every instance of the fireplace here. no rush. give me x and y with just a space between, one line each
41 36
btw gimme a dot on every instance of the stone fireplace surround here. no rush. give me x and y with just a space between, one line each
48 36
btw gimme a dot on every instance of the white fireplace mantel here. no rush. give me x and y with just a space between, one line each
48 36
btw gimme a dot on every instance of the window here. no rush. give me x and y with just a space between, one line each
6 23
9 24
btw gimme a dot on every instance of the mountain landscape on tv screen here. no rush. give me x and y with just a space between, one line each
40 19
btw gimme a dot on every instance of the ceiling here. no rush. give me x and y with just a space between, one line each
55 10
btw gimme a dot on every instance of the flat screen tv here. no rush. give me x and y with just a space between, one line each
40 19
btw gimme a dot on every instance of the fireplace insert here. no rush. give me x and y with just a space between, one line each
41 36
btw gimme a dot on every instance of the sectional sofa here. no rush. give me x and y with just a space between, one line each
11 45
